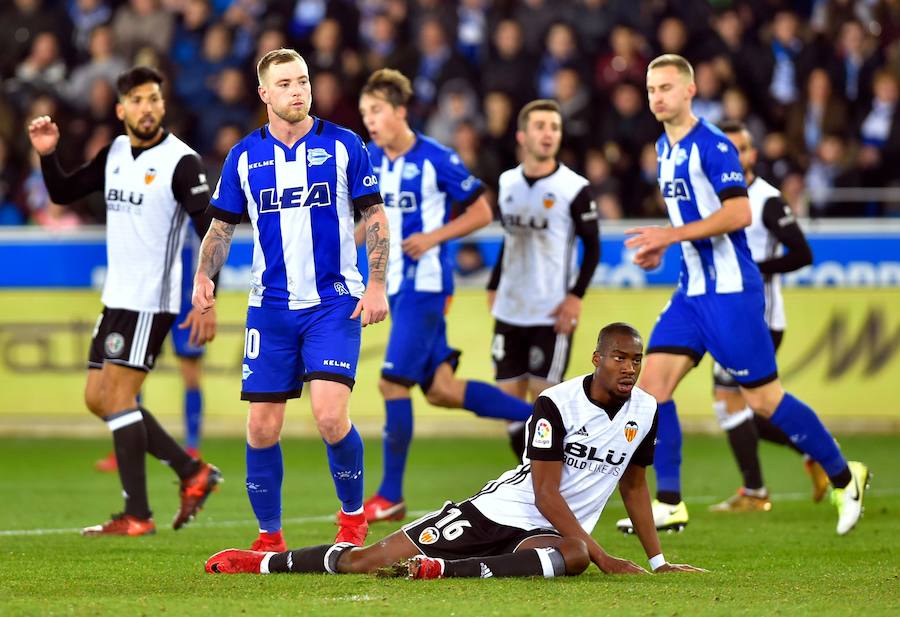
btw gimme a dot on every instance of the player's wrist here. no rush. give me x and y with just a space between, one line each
657 561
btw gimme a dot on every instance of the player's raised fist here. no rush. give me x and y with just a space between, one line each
44 135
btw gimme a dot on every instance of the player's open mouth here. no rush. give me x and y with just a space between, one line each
625 385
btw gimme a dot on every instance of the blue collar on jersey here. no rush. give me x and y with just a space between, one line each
291 152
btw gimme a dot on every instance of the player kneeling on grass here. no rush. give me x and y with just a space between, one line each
586 435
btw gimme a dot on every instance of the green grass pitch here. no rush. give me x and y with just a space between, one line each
788 561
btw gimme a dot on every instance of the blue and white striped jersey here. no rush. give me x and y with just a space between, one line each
419 190
300 201
695 176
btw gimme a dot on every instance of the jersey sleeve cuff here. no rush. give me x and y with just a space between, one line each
224 215
366 201
732 191
468 201
537 455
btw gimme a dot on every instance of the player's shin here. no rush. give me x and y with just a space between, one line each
130 440
546 562
345 459
744 441
398 432
193 416
322 558
667 461
488 401
265 472
162 446
805 429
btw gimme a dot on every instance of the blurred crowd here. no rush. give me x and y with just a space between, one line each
816 82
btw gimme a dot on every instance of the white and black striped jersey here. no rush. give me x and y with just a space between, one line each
595 445
150 192
536 269
773 229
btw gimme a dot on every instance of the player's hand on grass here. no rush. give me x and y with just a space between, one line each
677 567
203 297
567 314
44 135
372 306
614 565
202 325
417 244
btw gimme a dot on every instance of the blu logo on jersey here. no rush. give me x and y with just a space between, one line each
319 194
676 189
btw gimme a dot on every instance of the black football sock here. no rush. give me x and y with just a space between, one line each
744 442
321 558
673 498
161 445
768 431
842 479
546 562
516 431
130 442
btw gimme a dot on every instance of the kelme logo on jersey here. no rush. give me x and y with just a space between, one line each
149 175
543 434
429 535
319 194
676 189
316 156
631 429
114 344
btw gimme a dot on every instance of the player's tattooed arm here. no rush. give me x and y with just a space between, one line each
377 241
215 247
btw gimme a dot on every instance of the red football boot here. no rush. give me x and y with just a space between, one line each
269 542
122 525
377 508
353 528
422 567
235 561
107 464
194 492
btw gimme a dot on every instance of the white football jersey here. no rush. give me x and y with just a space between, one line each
145 226
764 245
595 450
539 262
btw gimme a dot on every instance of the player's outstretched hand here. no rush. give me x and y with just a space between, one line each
202 325
372 306
678 567
203 297
417 244
614 565
44 135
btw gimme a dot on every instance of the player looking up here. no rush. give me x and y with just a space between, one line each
153 182
535 290
424 185
719 305
299 179
586 436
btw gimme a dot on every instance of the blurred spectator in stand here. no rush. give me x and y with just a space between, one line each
482 162
104 65
830 169
819 113
41 72
87 15
672 37
644 199
707 103
879 134
534 16
788 59
743 53
776 162
99 111
436 63
384 47
624 62
10 213
20 22
195 86
36 201
593 20
243 18
854 61
605 187
735 106
507 66
142 23
471 33
330 53
500 136
187 42
330 102
457 103
226 137
469 260
629 125
576 110
230 108
561 52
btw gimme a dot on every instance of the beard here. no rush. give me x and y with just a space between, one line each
290 114
147 134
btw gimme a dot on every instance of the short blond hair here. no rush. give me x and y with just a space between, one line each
392 85
276 56
679 62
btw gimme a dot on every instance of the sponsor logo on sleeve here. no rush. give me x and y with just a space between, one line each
543 434
734 176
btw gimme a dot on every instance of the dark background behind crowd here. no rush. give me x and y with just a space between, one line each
816 82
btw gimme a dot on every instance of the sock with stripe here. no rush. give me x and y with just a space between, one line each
489 401
162 446
193 416
321 558
265 473
398 432
546 562
807 432
345 459
744 444
667 460
130 442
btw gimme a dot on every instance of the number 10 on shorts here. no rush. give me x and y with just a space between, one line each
251 343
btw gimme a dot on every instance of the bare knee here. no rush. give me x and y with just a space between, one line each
333 423
264 427
764 400
440 395
391 391
575 554
93 398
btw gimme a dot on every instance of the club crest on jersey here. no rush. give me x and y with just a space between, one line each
681 155
535 358
429 535
631 429
410 171
149 175
316 156
114 344
548 200
543 434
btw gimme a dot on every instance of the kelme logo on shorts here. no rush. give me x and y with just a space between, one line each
114 344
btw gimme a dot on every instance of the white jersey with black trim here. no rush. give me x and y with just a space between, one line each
539 258
595 450
764 245
145 227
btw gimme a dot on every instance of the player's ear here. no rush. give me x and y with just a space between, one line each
595 359
263 93
520 138
120 111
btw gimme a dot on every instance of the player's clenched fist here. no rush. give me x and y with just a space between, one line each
44 135
372 306
203 297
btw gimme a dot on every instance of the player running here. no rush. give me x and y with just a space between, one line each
719 305
153 182
424 185
586 436
534 292
299 179
773 226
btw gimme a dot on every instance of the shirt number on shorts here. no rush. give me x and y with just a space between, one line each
251 343
451 528
498 347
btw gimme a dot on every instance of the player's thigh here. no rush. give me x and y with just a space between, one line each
272 367
764 399
330 341
509 352
417 338
662 372
93 391
264 423
393 548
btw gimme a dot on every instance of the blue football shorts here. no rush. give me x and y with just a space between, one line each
283 348
731 327
418 341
